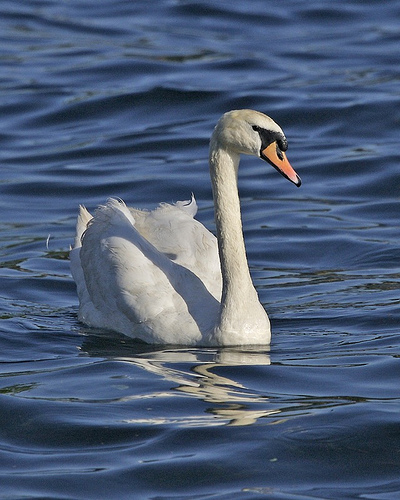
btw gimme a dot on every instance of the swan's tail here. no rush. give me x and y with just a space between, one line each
82 222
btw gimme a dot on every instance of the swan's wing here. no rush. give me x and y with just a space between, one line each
137 290
188 206
184 240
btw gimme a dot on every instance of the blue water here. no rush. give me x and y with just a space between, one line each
119 98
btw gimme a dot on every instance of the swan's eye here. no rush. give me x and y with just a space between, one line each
256 128
282 143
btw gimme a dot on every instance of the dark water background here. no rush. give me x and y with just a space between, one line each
118 98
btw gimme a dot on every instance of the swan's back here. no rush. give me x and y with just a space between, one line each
173 231
152 275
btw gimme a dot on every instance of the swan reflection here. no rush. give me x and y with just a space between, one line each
194 371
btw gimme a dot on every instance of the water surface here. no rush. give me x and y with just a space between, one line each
115 98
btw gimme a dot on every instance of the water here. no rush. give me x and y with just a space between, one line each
118 98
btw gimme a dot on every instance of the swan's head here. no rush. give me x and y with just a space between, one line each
245 131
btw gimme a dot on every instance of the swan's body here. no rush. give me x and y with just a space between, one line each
161 276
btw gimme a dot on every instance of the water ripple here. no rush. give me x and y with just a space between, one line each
119 100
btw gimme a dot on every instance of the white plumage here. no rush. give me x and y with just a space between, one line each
160 275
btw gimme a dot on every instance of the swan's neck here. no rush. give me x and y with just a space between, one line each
241 313
234 266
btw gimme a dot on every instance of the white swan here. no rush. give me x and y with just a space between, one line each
161 276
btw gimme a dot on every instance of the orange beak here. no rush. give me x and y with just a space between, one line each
277 158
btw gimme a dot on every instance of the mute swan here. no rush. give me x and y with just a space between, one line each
161 276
